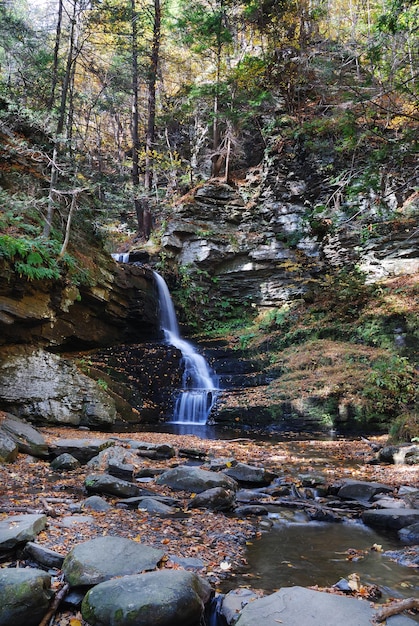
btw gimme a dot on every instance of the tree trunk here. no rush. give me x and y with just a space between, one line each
151 108
135 174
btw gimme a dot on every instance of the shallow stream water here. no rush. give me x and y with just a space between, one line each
297 551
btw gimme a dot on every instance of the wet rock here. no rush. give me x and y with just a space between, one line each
194 479
251 510
165 598
234 601
100 559
243 473
65 462
406 453
28 439
82 449
8 448
24 596
393 519
361 490
407 557
216 499
105 483
295 606
155 506
248 495
410 534
43 556
389 503
17 529
121 470
96 503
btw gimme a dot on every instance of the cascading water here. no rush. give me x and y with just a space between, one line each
199 386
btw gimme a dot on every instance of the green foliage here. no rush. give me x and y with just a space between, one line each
405 428
391 386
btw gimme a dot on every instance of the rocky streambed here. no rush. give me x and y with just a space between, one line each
149 528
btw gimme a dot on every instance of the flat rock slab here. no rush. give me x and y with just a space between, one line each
105 483
393 519
28 439
82 449
298 606
24 596
100 559
194 479
17 529
162 598
361 490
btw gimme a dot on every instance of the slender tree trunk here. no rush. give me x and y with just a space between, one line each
135 175
152 81
54 80
60 124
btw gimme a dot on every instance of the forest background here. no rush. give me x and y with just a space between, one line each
111 111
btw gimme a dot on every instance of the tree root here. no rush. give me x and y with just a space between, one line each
59 596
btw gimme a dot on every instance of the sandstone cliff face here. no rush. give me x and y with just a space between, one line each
39 316
120 305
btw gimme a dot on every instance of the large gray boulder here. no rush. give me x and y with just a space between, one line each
17 529
100 559
24 596
43 387
361 490
249 474
194 479
392 519
298 606
27 438
163 598
216 499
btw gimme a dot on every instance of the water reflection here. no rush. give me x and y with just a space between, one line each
315 553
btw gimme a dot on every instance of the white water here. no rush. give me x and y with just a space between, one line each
199 385
121 258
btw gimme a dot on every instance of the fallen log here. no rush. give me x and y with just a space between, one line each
396 607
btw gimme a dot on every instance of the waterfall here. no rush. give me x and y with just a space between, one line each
121 258
199 385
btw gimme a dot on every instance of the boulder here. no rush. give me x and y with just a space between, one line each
96 503
295 606
249 474
105 483
410 534
100 559
194 479
361 490
17 529
8 448
216 499
24 596
113 455
28 439
153 450
65 462
392 519
82 449
163 598
43 387
155 506
234 601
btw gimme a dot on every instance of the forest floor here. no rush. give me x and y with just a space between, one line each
217 539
